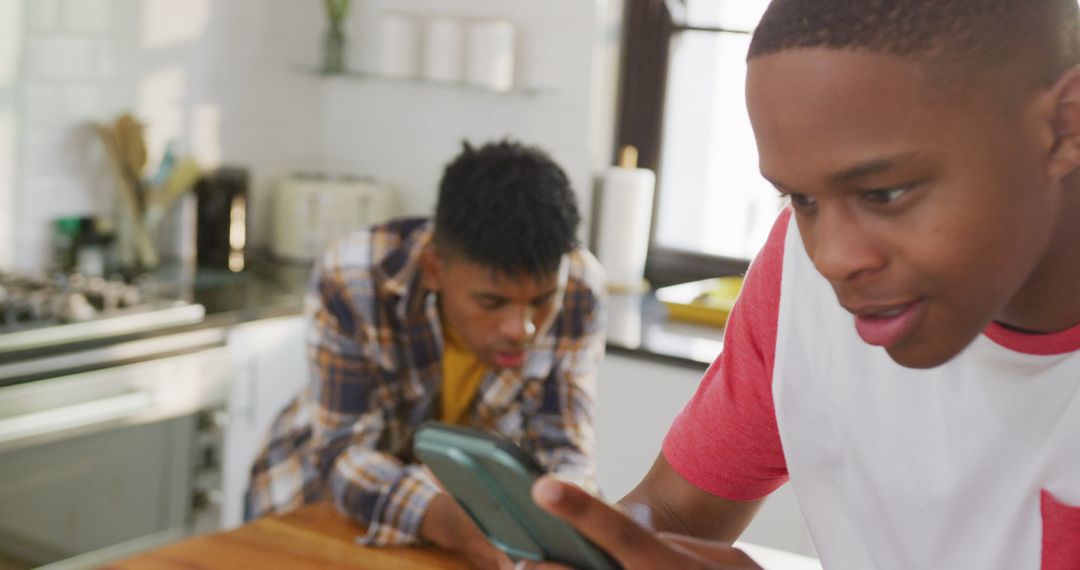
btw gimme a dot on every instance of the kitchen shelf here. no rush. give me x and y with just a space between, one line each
356 75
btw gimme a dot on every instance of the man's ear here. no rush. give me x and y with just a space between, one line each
1065 154
431 268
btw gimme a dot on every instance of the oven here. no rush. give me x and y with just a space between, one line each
110 437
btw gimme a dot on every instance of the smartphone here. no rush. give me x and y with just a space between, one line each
492 479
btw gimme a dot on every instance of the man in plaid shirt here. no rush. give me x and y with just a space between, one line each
491 315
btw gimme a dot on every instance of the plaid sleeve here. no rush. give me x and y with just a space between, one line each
350 394
561 434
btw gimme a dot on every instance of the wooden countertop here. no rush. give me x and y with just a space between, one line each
316 536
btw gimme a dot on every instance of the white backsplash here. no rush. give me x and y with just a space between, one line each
226 78
10 40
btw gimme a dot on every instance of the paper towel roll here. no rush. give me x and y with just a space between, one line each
444 49
625 217
399 54
491 54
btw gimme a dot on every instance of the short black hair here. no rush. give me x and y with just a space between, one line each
506 206
977 34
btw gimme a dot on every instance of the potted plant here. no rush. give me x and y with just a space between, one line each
334 40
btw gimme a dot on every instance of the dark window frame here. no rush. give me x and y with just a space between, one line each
649 26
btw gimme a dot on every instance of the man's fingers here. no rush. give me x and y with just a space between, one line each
723 554
631 544
625 540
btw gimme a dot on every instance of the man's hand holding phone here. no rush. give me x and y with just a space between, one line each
448 526
535 517
631 544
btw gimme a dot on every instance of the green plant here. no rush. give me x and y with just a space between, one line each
336 10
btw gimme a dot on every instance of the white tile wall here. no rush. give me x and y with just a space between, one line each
57 55
87 16
225 78
43 15
10 42
406 133
216 75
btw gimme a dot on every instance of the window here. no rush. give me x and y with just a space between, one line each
713 209
681 103
712 198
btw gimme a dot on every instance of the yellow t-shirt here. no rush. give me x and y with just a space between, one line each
462 374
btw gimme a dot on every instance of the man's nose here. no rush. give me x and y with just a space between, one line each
841 250
517 325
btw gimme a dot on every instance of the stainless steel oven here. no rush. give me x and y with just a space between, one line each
109 446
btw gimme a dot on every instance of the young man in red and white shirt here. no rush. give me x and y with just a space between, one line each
907 347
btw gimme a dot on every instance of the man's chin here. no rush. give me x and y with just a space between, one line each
922 355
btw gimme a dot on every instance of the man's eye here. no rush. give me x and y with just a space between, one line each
885 196
802 200
491 305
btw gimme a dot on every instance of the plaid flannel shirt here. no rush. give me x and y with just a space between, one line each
375 353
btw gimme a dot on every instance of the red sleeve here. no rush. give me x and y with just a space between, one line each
725 440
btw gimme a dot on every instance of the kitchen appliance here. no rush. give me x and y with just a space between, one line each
48 309
310 211
221 219
111 419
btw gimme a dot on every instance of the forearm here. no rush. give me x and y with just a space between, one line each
563 435
389 498
566 448
665 502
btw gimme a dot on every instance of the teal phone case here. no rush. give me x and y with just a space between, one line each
492 480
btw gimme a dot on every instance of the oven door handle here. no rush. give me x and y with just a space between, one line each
74 418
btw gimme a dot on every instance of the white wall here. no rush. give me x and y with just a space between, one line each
405 133
226 78
10 42
217 75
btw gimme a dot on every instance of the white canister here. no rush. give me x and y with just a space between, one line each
399 45
444 49
491 54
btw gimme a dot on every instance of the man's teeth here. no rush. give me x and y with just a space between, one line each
891 313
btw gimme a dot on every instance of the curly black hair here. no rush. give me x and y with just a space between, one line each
973 35
506 206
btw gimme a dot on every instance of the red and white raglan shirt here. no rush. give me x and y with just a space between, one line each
973 464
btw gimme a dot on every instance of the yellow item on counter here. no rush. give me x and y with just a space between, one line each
462 374
706 302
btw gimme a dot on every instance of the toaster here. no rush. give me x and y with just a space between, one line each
310 211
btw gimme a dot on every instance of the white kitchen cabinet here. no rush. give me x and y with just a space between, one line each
270 368
637 401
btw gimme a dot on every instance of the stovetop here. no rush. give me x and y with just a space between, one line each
39 310
28 300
